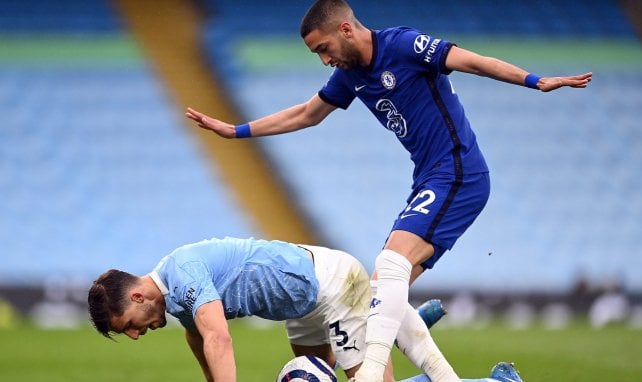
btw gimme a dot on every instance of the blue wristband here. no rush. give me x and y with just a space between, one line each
532 80
243 131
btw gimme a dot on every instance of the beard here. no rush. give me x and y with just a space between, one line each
162 320
351 58
157 314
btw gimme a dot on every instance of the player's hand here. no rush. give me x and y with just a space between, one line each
546 84
221 128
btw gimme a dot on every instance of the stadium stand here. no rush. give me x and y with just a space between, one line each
72 75
96 167
566 199
549 18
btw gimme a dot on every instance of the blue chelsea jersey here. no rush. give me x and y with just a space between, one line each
270 279
406 87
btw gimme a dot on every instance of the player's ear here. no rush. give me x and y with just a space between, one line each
137 297
345 29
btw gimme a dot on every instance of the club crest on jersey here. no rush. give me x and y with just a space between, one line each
388 80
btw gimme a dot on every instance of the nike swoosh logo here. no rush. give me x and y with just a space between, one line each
373 314
406 215
357 88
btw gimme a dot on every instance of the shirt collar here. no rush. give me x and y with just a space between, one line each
159 283
375 51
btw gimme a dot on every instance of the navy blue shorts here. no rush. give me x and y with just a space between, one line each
442 208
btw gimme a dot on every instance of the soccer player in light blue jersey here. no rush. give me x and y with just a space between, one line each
322 294
401 75
207 283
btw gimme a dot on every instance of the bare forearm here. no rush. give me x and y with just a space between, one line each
293 118
500 70
470 62
220 358
285 121
195 342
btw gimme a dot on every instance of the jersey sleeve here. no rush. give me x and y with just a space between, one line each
336 91
197 287
428 52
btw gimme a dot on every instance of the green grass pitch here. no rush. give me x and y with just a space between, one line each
578 353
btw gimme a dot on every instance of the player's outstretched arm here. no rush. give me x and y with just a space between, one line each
293 118
217 342
463 60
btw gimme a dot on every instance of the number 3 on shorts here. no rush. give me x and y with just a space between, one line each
340 333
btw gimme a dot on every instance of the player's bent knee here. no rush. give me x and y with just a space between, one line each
392 265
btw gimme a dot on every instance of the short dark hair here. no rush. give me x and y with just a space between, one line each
320 13
107 298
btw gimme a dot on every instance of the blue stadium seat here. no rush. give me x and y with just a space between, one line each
96 167
567 18
60 16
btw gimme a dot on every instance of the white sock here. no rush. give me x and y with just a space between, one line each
387 311
416 343
373 287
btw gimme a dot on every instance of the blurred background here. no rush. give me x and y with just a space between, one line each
99 169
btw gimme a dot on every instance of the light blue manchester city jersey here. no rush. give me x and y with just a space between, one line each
270 279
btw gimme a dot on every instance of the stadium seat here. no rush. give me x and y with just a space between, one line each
96 168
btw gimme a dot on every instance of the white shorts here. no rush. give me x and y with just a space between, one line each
342 308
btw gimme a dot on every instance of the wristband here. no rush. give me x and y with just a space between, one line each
531 81
243 131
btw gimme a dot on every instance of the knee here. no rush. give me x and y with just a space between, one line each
392 265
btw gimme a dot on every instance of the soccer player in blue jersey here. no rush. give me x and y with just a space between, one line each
322 294
401 75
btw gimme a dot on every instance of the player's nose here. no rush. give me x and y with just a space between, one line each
325 59
133 334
